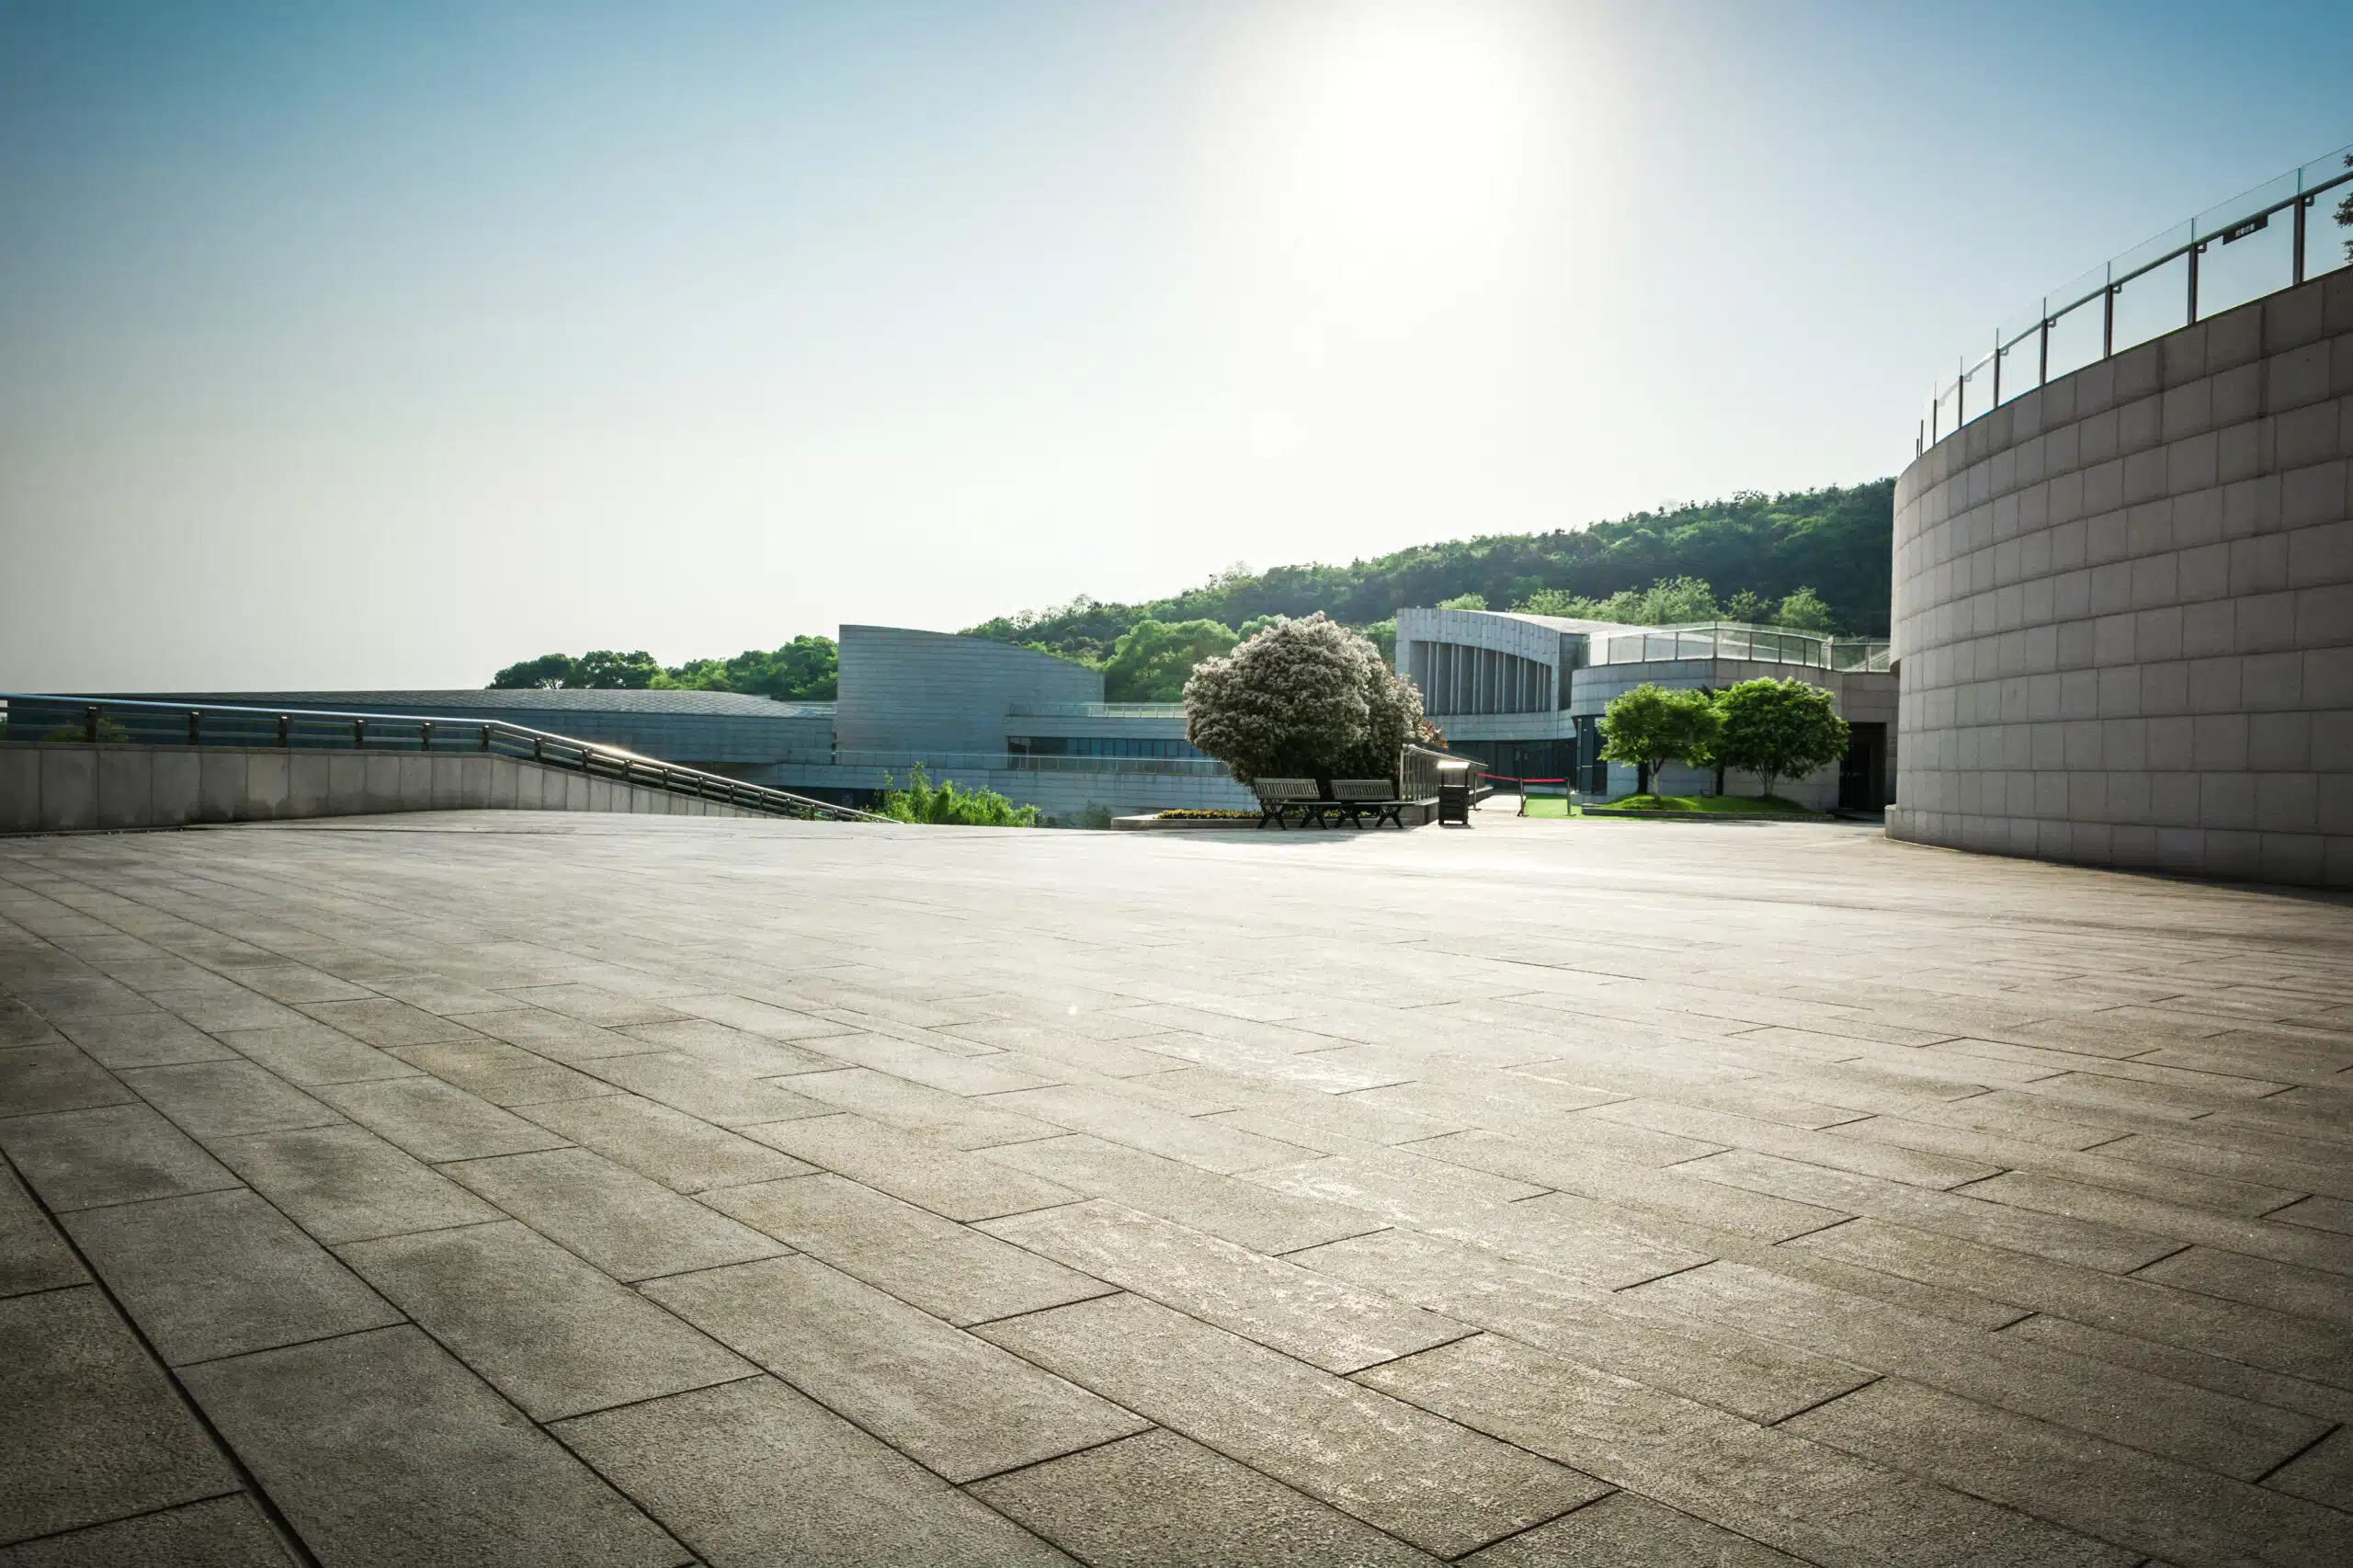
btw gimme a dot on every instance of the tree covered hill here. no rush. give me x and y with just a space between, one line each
1837 541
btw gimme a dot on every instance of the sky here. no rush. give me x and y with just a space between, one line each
372 346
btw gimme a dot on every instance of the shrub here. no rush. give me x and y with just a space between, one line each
1302 700
1652 725
923 802
1779 729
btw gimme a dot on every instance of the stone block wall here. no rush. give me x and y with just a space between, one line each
2123 608
64 787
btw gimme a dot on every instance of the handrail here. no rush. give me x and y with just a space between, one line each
2235 220
542 746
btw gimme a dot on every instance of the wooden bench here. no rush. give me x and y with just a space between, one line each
1357 799
1276 796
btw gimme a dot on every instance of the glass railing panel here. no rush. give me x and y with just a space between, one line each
2153 305
2021 355
2245 260
1977 389
2077 336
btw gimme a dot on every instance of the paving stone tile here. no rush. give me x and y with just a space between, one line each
1624 1530
1766 1483
1622 1332
141 1040
935 1175
1435 1484
2257 1238
1673 1193
2198 1368
961 1121
541 1327
33 1257
310 1052
956 1404
225 1532
2140 1306
2098 1168
503 1075
711 1094
2140 1502
2333 1215
734 1051
2323 1473
2092 1245
1188 1140
1401 1187
629 1227
753 1474
2304 1293
383 1449
675 1148
344 1183
949 1270
1813 1145
435 1121
38 1078
221 1273
591 1006
1157 1500
1316 1317
19 1025
1249 1213
209 1100
551 1034
80 1159
216 1008
92 1430
295 983
382 1022
761 1018
2235 1436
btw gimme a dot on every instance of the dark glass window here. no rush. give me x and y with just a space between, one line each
1097 745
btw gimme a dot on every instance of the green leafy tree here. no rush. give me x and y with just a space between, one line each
1670 601
1653 725
1779 729
548 672
1748 607
946 805
1464 601
602 669
1839 539
1152 662
1302 700
1803 611
1382 635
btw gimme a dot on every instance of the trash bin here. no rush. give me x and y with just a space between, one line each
1454 793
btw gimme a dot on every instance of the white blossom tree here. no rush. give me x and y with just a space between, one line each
1302 700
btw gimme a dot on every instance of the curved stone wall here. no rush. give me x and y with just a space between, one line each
2123 609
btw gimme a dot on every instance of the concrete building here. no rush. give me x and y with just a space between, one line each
2124 607
1033 727
1525 693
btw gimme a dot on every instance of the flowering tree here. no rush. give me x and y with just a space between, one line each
1302 700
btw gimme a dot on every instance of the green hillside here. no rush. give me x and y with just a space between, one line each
1837 541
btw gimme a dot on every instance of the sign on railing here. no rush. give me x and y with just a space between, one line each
2273 237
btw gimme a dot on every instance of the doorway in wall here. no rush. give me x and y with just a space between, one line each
1862 776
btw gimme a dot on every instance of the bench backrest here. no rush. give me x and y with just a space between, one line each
1364 789
1287 789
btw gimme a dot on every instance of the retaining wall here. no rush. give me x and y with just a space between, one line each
61 786
2124 607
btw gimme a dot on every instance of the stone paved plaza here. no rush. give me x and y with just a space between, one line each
599 1190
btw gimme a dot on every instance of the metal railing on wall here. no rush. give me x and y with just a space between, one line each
2190 272
1734 640
35 719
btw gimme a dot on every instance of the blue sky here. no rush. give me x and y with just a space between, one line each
382 346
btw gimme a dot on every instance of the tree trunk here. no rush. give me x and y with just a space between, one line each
1642 779
1719 778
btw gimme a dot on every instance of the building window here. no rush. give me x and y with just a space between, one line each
1098 746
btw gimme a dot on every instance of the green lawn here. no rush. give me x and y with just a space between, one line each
1728 805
